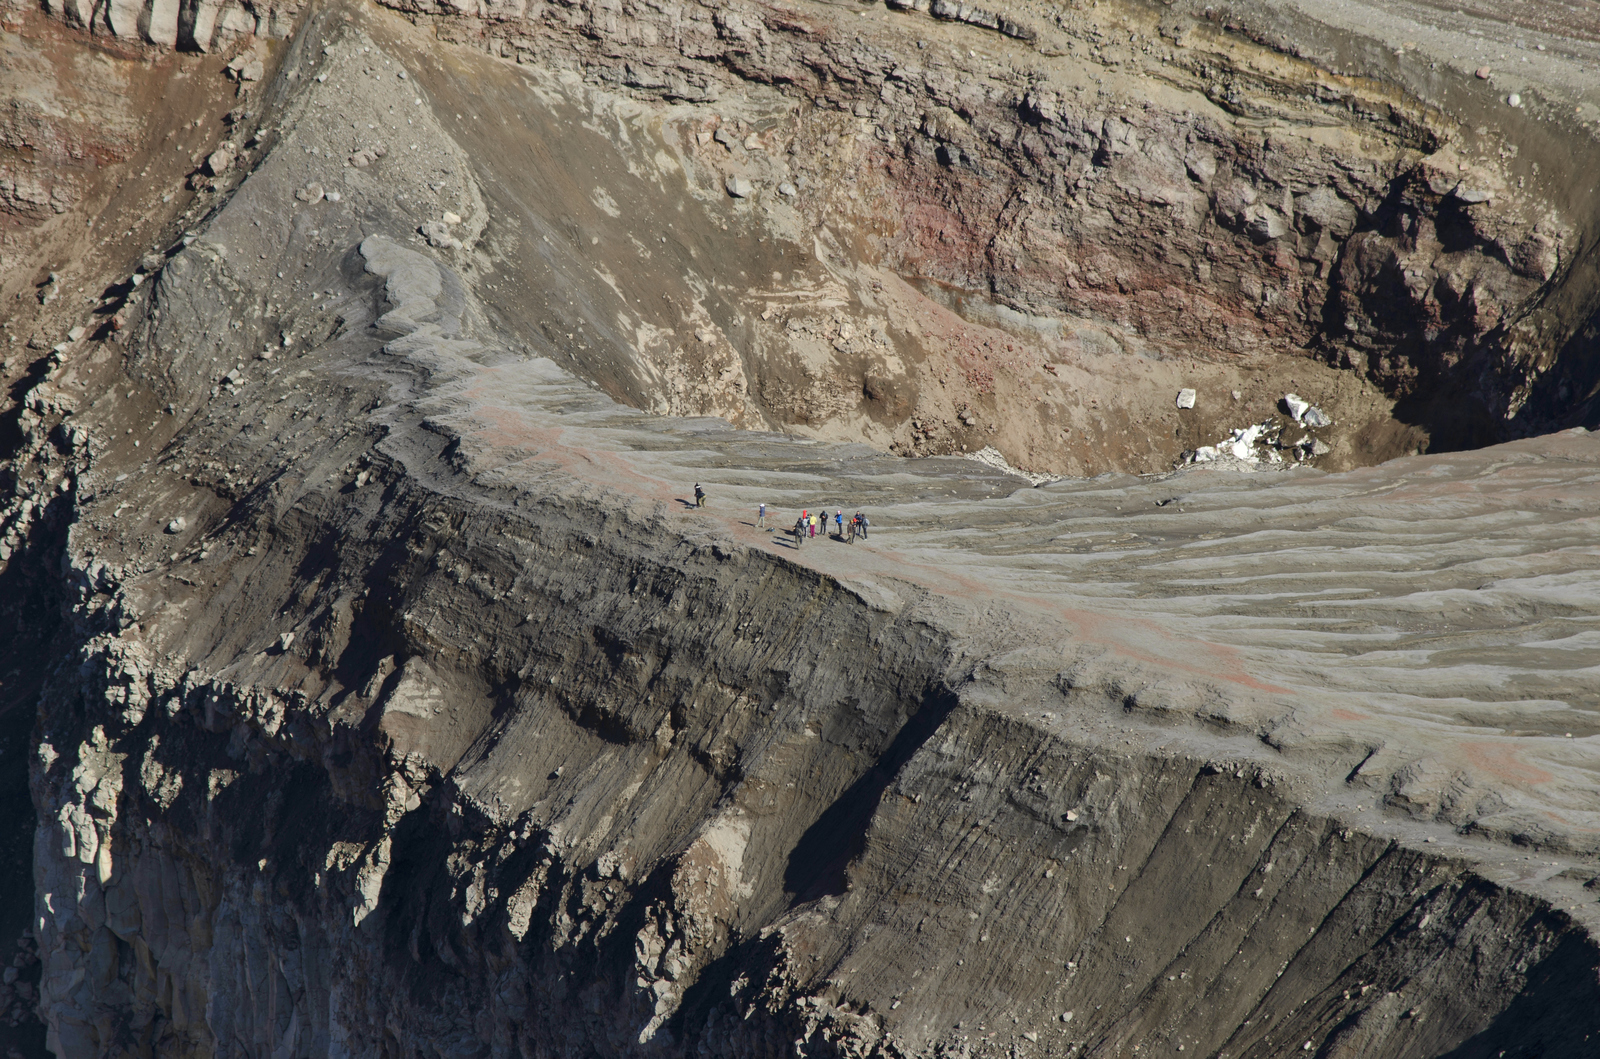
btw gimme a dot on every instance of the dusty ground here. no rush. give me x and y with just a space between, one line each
109 133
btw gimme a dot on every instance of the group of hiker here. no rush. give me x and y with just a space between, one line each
809 523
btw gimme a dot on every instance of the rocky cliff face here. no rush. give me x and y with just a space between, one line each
393 701
1208 184
1134 200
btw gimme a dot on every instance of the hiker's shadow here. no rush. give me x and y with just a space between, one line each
687 503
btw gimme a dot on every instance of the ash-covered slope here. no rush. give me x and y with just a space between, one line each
402 706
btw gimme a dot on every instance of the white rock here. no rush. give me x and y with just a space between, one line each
1514 100
333 196
451 218
77 333
738 187
219 161
177 525
310 193
1186 398
1297 407
1265 223
1316 417
787 189
123 17
160 22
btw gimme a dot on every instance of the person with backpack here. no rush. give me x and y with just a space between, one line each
799 531
699 496
838 521
761 516
864 524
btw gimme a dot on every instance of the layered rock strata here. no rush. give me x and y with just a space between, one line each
1155 195
401 706
1210 182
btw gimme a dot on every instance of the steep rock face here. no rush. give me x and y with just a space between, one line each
399 705
1168 174
1206 188
403 709
199 25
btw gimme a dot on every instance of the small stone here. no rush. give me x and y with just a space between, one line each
218 161
177 525
738 187
1030 1036
1072 814
1514 100
1320 447
752 142
787 189
1316 417
402 75
723 137
1066 1016
285 640
1186 398
451 218
1236 395
310 193
333 196
438 236
1265 223
1482 73
76 333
